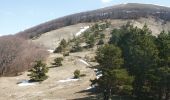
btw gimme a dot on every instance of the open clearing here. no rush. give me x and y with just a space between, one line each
59 85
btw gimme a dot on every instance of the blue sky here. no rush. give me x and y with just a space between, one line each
17 15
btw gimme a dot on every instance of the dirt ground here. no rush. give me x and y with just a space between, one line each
51 89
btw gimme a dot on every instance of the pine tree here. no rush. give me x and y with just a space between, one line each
163 72
61 47
91 41
141 57
114 78
38 72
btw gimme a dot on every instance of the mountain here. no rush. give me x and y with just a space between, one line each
124 34
123 11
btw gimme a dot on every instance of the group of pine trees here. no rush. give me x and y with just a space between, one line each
135 63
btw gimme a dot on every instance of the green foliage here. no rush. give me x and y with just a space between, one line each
66 54
76 47
61 47
95 27
162 74
116 36
147 58
38 72
114 79
58 62
102 36
77 74
163 44
86 34
109 56
91 41
101 42
141 56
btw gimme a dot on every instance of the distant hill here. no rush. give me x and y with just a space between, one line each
122 11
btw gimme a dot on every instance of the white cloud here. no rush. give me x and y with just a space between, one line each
106 1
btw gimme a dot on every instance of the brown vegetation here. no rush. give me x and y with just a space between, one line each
17 55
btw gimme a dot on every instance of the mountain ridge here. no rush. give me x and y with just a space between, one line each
123 11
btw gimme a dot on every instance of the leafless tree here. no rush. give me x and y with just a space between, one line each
17 55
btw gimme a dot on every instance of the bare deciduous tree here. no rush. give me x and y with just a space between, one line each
17 55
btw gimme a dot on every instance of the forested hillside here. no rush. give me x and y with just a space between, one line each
124 11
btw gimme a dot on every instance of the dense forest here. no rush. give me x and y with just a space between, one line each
127 11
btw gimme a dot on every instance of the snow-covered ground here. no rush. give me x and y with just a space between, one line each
68 80
83 29
25 83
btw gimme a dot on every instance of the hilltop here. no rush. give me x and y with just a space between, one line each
123 11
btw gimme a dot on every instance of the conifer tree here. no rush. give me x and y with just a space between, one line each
61 47
115 78
38 72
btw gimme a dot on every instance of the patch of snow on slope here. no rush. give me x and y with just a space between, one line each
68 80
84 62
51 51
25 83
83 29
90 87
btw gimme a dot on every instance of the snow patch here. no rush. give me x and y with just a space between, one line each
25 83
98 76
90 87
83 29
84 62
98 73
68 80
51 51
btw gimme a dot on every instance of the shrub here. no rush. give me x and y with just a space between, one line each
38 72
57 62
77 74
66 54
101 42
